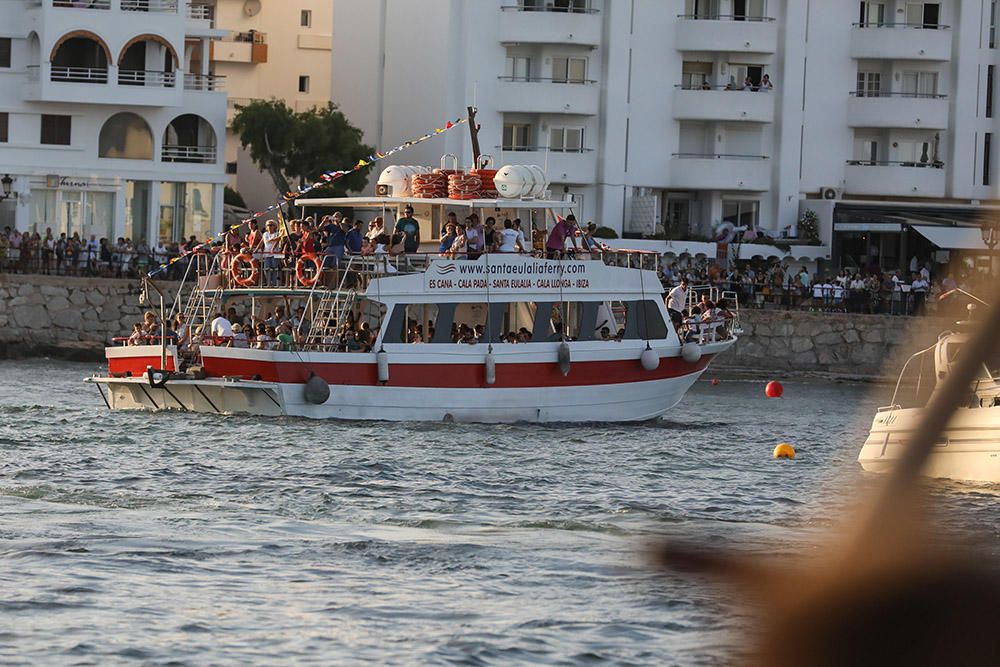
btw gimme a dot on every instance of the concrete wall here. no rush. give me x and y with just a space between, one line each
64 317
863 346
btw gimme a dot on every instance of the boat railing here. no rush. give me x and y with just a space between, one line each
323 271
895 404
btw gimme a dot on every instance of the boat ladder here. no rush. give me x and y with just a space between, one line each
333 307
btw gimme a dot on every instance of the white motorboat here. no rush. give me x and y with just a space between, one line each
969 446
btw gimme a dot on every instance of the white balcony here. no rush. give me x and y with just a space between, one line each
723 105
739 173
572 167
897 179
547 96
204 82
190 154
730 34
543 25
900 41
108 85
158 6
900 110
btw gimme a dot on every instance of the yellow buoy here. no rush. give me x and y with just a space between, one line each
784 451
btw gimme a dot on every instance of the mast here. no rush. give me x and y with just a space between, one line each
474 132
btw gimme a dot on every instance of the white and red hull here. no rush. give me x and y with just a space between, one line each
606 383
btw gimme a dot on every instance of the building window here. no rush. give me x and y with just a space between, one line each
869 84
517 137
303 84
4 51
990 73
993 24
741 213
306 18
4 124
231 168
517 68
748 10
569 70
56 130
987 157
566 139
701 9
872 14
926 15
920 84
739 73
695 75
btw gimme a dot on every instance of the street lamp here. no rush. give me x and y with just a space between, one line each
990 230
7 183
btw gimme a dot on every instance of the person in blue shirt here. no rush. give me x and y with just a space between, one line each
409 226
335 242
353 237
447 239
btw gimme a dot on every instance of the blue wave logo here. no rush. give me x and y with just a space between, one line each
445 269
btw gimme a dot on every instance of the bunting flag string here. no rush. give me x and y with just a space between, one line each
325 179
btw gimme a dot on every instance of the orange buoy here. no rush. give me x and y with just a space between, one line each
774 389
784 451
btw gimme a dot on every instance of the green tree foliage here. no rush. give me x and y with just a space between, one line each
296 148
233 198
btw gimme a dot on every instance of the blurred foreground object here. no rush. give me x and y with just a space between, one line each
880 593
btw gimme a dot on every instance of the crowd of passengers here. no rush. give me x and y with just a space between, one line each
335 236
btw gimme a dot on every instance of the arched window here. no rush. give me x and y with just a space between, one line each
80 57
189 138
126 136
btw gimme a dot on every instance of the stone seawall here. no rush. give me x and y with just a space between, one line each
66 317
862 346
75 317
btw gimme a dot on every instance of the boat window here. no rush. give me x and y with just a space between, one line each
525 322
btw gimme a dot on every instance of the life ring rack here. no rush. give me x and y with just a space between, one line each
300 269
237 269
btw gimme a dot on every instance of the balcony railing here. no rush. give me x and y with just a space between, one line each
729 87
914 26
149 5
198 154
726 17
83 4
531 149
717 156
150 78
250 37
206 82
881 93
79 74
200 13
936 164
565 8
542 79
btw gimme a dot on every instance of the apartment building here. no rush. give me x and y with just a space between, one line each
106 129
271 50
676 116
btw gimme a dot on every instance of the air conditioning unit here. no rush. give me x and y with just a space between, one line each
829 193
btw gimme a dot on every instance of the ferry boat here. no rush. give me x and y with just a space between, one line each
969 446
596 343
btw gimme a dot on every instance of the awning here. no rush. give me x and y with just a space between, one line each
953 238
885 227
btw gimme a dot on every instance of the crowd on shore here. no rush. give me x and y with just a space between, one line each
778 284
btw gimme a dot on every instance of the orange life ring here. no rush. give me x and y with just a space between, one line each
300 269
237 268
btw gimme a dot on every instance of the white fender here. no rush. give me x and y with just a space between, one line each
564 358
382 361
691 352
650 360
491 368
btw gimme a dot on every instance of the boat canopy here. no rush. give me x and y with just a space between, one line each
386 202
